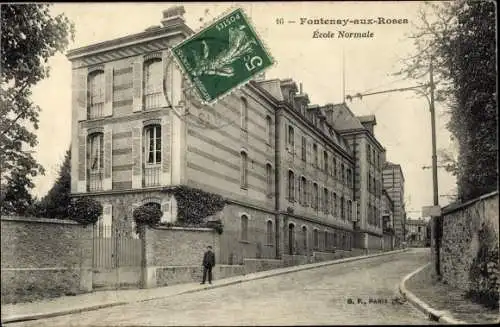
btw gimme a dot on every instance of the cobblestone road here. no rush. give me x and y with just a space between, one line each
311 297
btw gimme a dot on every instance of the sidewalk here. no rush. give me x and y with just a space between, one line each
103 299
442 302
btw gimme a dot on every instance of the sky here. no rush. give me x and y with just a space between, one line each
327 68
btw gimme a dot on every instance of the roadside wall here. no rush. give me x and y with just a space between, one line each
469 246
43 258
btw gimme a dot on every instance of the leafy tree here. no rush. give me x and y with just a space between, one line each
30 36
55 204
459 38
15 198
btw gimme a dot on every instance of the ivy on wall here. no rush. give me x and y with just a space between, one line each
147 214
484 272
194 205
85 211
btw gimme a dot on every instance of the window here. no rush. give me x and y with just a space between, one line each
342 172
315 196
304 237
152 155
315 154
342 209
96 94
269 127
315 238
325 160
335 208
303 185
291 186
243 170
269 179
244 228
304 144
349 210
244 114
334 167
153 83
96 161
325 233
368 152
325 201
270 233
291 138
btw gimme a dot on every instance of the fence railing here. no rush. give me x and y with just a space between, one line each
96 110
95 180
113 248
152 175
153 100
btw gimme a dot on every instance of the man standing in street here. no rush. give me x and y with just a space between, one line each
208 264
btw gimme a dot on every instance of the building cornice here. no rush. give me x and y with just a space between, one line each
129 40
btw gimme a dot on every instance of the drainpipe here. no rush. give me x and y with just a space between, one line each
277 179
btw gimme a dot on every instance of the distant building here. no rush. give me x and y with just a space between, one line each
394 181
387 211
369 156
416 232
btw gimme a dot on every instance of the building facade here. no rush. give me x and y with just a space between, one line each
293 179
416 232
387 211
369 157
393 183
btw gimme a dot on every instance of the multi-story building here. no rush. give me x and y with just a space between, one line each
387 211
369 156
416 232
393 180
289 177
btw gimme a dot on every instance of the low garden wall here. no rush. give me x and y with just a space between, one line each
256 265
43 258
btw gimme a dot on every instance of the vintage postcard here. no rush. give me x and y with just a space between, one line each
249 163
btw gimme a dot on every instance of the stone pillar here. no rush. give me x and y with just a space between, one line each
148 268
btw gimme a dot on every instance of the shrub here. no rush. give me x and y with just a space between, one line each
148 214
193 205
85 210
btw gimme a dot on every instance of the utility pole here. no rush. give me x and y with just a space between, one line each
433 127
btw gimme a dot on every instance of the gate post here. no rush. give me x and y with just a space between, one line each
148 273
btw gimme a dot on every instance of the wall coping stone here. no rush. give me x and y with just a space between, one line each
263 259
191 266
194 229
469 203
40 220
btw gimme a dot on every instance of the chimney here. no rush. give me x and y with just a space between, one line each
260 77
173 16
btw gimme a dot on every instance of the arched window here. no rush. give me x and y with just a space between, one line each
304 237
325 200
96 89
315 154
303 185
244 114
269 129
95 161
270 232
315 239
291 137
325 160
269 179
244 228
315 196
342 208
153 83
335 205
244 169
291 186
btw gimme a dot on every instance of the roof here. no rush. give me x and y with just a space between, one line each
367 119
344 119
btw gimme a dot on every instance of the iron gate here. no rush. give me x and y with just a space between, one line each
117 258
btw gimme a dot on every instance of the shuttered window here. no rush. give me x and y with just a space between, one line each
95 161
96 91
153 83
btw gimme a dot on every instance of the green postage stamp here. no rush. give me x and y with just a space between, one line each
222 56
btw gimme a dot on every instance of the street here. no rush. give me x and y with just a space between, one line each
359 292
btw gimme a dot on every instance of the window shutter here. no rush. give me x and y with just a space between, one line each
82 160
108 90
137 70
165 151
80 94
108 159
136 156
167 75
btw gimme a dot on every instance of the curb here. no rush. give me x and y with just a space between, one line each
241 279
432 313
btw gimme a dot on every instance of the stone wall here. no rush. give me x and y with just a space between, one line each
256 265
188 274
44 258
467 232
179 246
388 242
